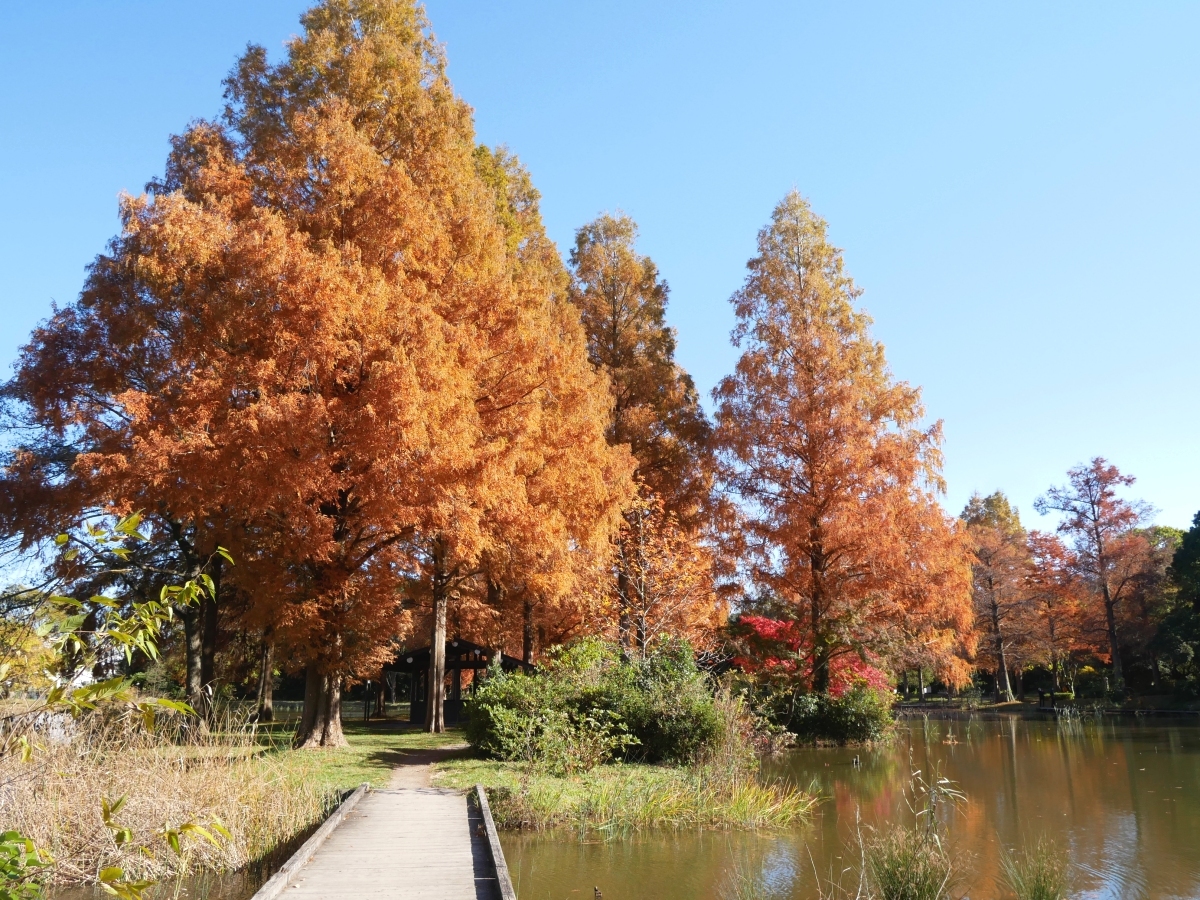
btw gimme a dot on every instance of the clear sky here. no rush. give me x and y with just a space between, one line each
1016 186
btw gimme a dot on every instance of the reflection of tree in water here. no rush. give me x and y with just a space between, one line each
1097 789
1122 798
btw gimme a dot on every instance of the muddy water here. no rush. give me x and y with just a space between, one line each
1122 796
233 886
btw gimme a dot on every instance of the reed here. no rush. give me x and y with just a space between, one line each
171 775
624 797
909 864
1038 872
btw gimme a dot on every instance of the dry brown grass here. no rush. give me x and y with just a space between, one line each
170 776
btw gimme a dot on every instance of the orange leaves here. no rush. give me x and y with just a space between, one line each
837 479
666 584
314 343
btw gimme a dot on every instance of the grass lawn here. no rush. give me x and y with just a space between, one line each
375 749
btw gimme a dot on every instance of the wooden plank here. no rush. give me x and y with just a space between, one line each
401 844
280 880
497 852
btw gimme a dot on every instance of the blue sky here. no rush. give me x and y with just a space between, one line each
1016 185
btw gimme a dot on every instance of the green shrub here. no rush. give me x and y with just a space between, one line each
861 714
665 702
587 705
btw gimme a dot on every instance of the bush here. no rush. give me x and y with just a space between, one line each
860 714
587 705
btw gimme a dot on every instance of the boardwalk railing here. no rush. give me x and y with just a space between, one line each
278 882
502 879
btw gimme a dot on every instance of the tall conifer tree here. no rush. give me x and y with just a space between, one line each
837 475
316 334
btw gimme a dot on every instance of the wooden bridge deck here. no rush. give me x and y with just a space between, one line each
401 844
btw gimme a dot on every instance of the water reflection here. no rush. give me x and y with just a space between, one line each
1122 796
205 886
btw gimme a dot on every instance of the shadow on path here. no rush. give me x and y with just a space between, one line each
411 768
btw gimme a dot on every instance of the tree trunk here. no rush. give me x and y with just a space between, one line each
624 621
904 689
1004 692
1110 617
321 726
1021 684
820 648
266 680
435 713
921 685
194 681
527 632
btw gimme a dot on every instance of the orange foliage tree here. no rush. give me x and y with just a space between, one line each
668 584
1055 592
655 411
837 478
313 340
1111 554
1003 612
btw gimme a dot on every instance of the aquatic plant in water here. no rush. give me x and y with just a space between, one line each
1039 872
913 862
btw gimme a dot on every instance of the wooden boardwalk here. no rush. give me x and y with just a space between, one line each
400 844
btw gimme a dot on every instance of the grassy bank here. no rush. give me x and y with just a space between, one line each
626 797
265 793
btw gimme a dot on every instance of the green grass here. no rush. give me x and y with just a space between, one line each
376 748
909 864
626 797
1040 872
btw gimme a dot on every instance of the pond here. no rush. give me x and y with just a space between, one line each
1122 795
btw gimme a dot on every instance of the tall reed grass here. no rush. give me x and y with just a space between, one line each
622 798
909 864
174 773
1038 872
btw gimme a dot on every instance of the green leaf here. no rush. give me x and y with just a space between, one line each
192 828
177 705
219 827
61 539
129 525
109 808
109 874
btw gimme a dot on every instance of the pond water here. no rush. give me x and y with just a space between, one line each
1121 795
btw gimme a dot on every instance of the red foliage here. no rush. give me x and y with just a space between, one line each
778 647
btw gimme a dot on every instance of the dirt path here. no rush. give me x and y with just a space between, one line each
416 766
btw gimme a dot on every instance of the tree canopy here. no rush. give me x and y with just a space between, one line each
328 339
837 474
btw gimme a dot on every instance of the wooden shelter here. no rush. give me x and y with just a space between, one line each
460 655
